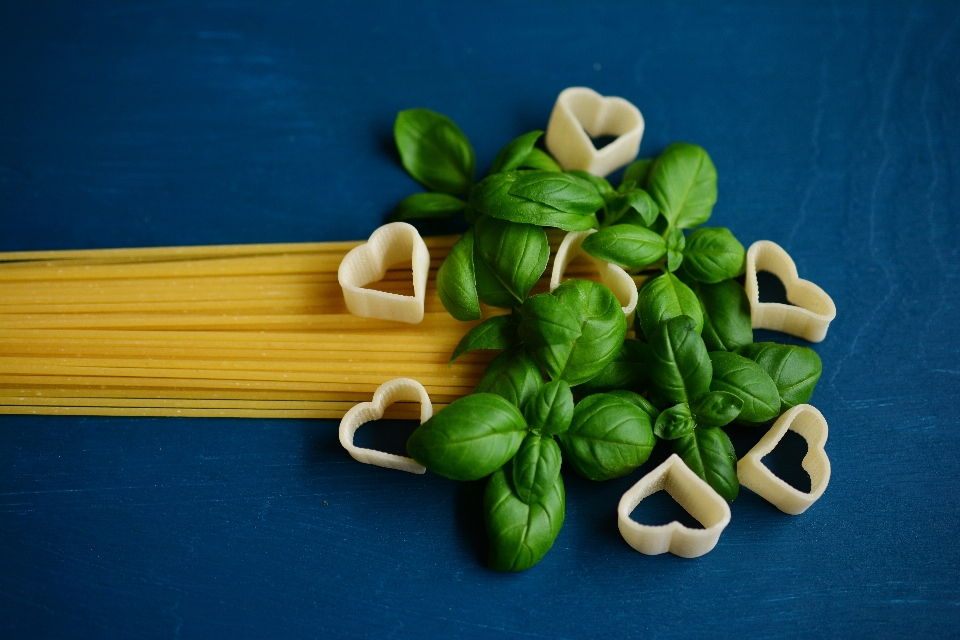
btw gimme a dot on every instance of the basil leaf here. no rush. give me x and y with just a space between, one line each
795 370
509 259
640 202
457 280
638 401
675 244
726 314
715 408
748 381
683 183
663 298
492 196
512 375
638 171
563 191
576 343
498 332
520 534
516 151
608 437
675 422
471 438
536 467
713 254
680 368
427 205
434 151
710 454
551 409
625 245
600 184
541 160
627 370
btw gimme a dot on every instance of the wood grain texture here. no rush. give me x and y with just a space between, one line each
833 129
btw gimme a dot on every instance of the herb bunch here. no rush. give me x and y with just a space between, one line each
568 384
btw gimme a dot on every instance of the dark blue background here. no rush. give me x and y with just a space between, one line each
835 131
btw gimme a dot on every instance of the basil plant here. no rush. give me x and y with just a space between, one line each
568 383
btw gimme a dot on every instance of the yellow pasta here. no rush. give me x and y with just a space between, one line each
231 331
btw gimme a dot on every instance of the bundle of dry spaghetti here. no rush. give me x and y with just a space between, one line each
239 331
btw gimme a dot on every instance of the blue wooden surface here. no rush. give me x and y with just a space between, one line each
835 130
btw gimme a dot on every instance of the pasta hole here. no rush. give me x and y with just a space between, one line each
770 288
785 460
387 435
660 508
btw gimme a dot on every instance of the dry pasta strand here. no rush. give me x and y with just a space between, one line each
256 331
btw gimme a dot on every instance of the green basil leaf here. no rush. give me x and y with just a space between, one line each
665 297
625 245
643 205
509 259
434 151
713 255
683 183
710 454
715 408
498 332
726 314
563 191
520 534
748 381
457 280
535 467
795 370
627 370
638 401
516 151
675 422
638 171
608 437
540 160
512 375
551 409
574 344
680 368
427 205
469 439
492 197
675 244
600 184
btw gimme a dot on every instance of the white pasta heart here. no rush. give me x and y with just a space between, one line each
693 494
367 263
398 389
811 311
754 475
580 114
